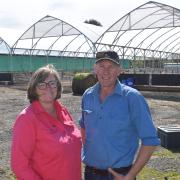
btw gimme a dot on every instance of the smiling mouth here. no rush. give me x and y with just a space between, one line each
105 78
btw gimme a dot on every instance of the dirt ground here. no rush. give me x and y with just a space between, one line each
165 109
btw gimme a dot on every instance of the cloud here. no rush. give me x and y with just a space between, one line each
56 5
10 22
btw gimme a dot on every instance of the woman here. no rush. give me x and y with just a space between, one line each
46 142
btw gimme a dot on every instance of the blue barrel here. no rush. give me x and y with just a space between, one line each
130 82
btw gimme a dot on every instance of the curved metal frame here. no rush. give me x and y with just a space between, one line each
7 47
120 31
160 16
77 34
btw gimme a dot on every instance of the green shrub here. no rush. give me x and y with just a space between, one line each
82 81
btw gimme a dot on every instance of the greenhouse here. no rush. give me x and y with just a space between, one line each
146 39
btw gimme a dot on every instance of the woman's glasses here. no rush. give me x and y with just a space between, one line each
43 85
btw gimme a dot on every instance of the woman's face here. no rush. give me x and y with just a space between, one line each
47 90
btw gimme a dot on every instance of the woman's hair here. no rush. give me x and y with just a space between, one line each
39 76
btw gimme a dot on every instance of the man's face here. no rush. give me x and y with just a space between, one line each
107 72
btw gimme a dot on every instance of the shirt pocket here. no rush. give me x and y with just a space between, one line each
87 113
90 121
88 116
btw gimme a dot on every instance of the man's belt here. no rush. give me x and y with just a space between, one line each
105 172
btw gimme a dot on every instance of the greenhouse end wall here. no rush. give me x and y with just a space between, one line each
26 63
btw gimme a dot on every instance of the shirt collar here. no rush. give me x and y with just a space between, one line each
118 88
37 107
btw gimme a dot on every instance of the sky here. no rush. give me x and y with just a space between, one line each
16 16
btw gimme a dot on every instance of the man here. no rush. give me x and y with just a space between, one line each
114 119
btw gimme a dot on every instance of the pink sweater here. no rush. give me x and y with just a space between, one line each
44 148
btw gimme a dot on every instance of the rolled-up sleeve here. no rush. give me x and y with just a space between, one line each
141 117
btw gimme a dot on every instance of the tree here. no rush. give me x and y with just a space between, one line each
93 21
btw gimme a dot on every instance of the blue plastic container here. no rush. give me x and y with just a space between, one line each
130 82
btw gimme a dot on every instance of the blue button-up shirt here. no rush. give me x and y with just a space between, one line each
115 126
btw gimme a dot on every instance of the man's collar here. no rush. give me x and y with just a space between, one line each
118 88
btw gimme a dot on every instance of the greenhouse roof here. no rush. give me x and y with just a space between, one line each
4 47
52 36
152 30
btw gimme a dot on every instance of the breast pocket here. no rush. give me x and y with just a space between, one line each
89 117
90 123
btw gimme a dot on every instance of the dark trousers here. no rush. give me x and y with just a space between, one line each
90 174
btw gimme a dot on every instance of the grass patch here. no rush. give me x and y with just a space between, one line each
164 153
8 174
148 174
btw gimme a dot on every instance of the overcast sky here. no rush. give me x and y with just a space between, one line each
16 16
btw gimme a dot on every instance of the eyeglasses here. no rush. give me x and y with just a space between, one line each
43 85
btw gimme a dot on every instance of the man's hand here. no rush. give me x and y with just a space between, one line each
118 176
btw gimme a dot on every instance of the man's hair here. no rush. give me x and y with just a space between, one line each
39 76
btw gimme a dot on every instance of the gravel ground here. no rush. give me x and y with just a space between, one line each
165 108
